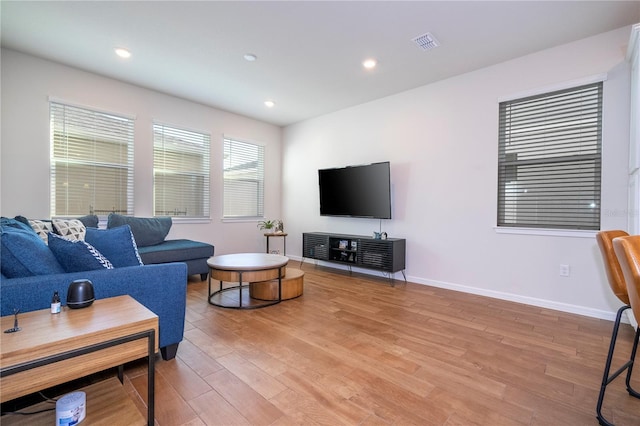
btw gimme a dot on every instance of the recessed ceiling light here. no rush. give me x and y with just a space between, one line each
269 104
370 63
122 52
250 57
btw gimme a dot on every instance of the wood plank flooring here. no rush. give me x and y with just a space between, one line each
354 350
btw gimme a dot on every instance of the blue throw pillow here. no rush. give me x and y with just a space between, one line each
77 255
148 231
19 222
23 253
116 244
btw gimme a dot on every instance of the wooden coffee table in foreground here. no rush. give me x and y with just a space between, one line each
51 349
244 268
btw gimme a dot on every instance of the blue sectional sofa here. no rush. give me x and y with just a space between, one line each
32 271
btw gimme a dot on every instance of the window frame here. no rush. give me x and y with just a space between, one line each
68 120
576 228
259 212
204 171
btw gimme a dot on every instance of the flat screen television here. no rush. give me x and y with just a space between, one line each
356 191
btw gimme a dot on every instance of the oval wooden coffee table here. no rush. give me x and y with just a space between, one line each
244 268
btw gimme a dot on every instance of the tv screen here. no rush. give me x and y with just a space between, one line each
357 191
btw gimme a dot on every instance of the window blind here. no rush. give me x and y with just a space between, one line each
243 179
91 161
549 160
180 172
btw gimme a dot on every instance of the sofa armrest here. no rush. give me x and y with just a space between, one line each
161 288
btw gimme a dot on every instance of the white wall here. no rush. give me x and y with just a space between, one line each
27 84
442 140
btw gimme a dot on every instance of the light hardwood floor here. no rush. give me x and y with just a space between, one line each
354 350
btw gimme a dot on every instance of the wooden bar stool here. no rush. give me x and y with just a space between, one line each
627 250
618 285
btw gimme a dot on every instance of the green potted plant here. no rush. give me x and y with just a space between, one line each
267 224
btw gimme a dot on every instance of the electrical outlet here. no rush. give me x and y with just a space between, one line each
564 270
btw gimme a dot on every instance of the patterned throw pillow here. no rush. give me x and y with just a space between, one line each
42 228
72 229
77 255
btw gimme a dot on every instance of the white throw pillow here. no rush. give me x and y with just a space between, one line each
42 228
71 229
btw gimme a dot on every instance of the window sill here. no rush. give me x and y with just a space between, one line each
546 232
178 219
241 220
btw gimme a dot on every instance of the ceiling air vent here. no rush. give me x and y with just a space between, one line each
426 41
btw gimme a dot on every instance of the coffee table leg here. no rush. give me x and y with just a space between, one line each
240 289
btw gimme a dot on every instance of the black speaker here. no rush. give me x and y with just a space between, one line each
80 294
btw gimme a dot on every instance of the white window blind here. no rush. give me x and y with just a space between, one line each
243 179
549 161
181 164
91 161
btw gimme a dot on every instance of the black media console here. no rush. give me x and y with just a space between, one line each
355 250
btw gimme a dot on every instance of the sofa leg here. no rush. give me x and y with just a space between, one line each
203 277
169 352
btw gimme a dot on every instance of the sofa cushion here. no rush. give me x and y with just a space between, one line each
77 255
175 251
23 253
147 231
89 221
72 229
116 244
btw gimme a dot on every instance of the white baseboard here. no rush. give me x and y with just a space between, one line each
543 303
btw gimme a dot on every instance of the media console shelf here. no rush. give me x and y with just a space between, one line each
356 250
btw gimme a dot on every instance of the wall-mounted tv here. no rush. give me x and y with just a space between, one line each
356 191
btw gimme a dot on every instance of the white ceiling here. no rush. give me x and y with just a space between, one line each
309 53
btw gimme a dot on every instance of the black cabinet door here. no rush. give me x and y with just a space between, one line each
315 246
385 255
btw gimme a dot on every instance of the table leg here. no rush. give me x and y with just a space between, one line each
280 284
151 382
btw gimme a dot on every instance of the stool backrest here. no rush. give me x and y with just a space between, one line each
628 252
611 264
